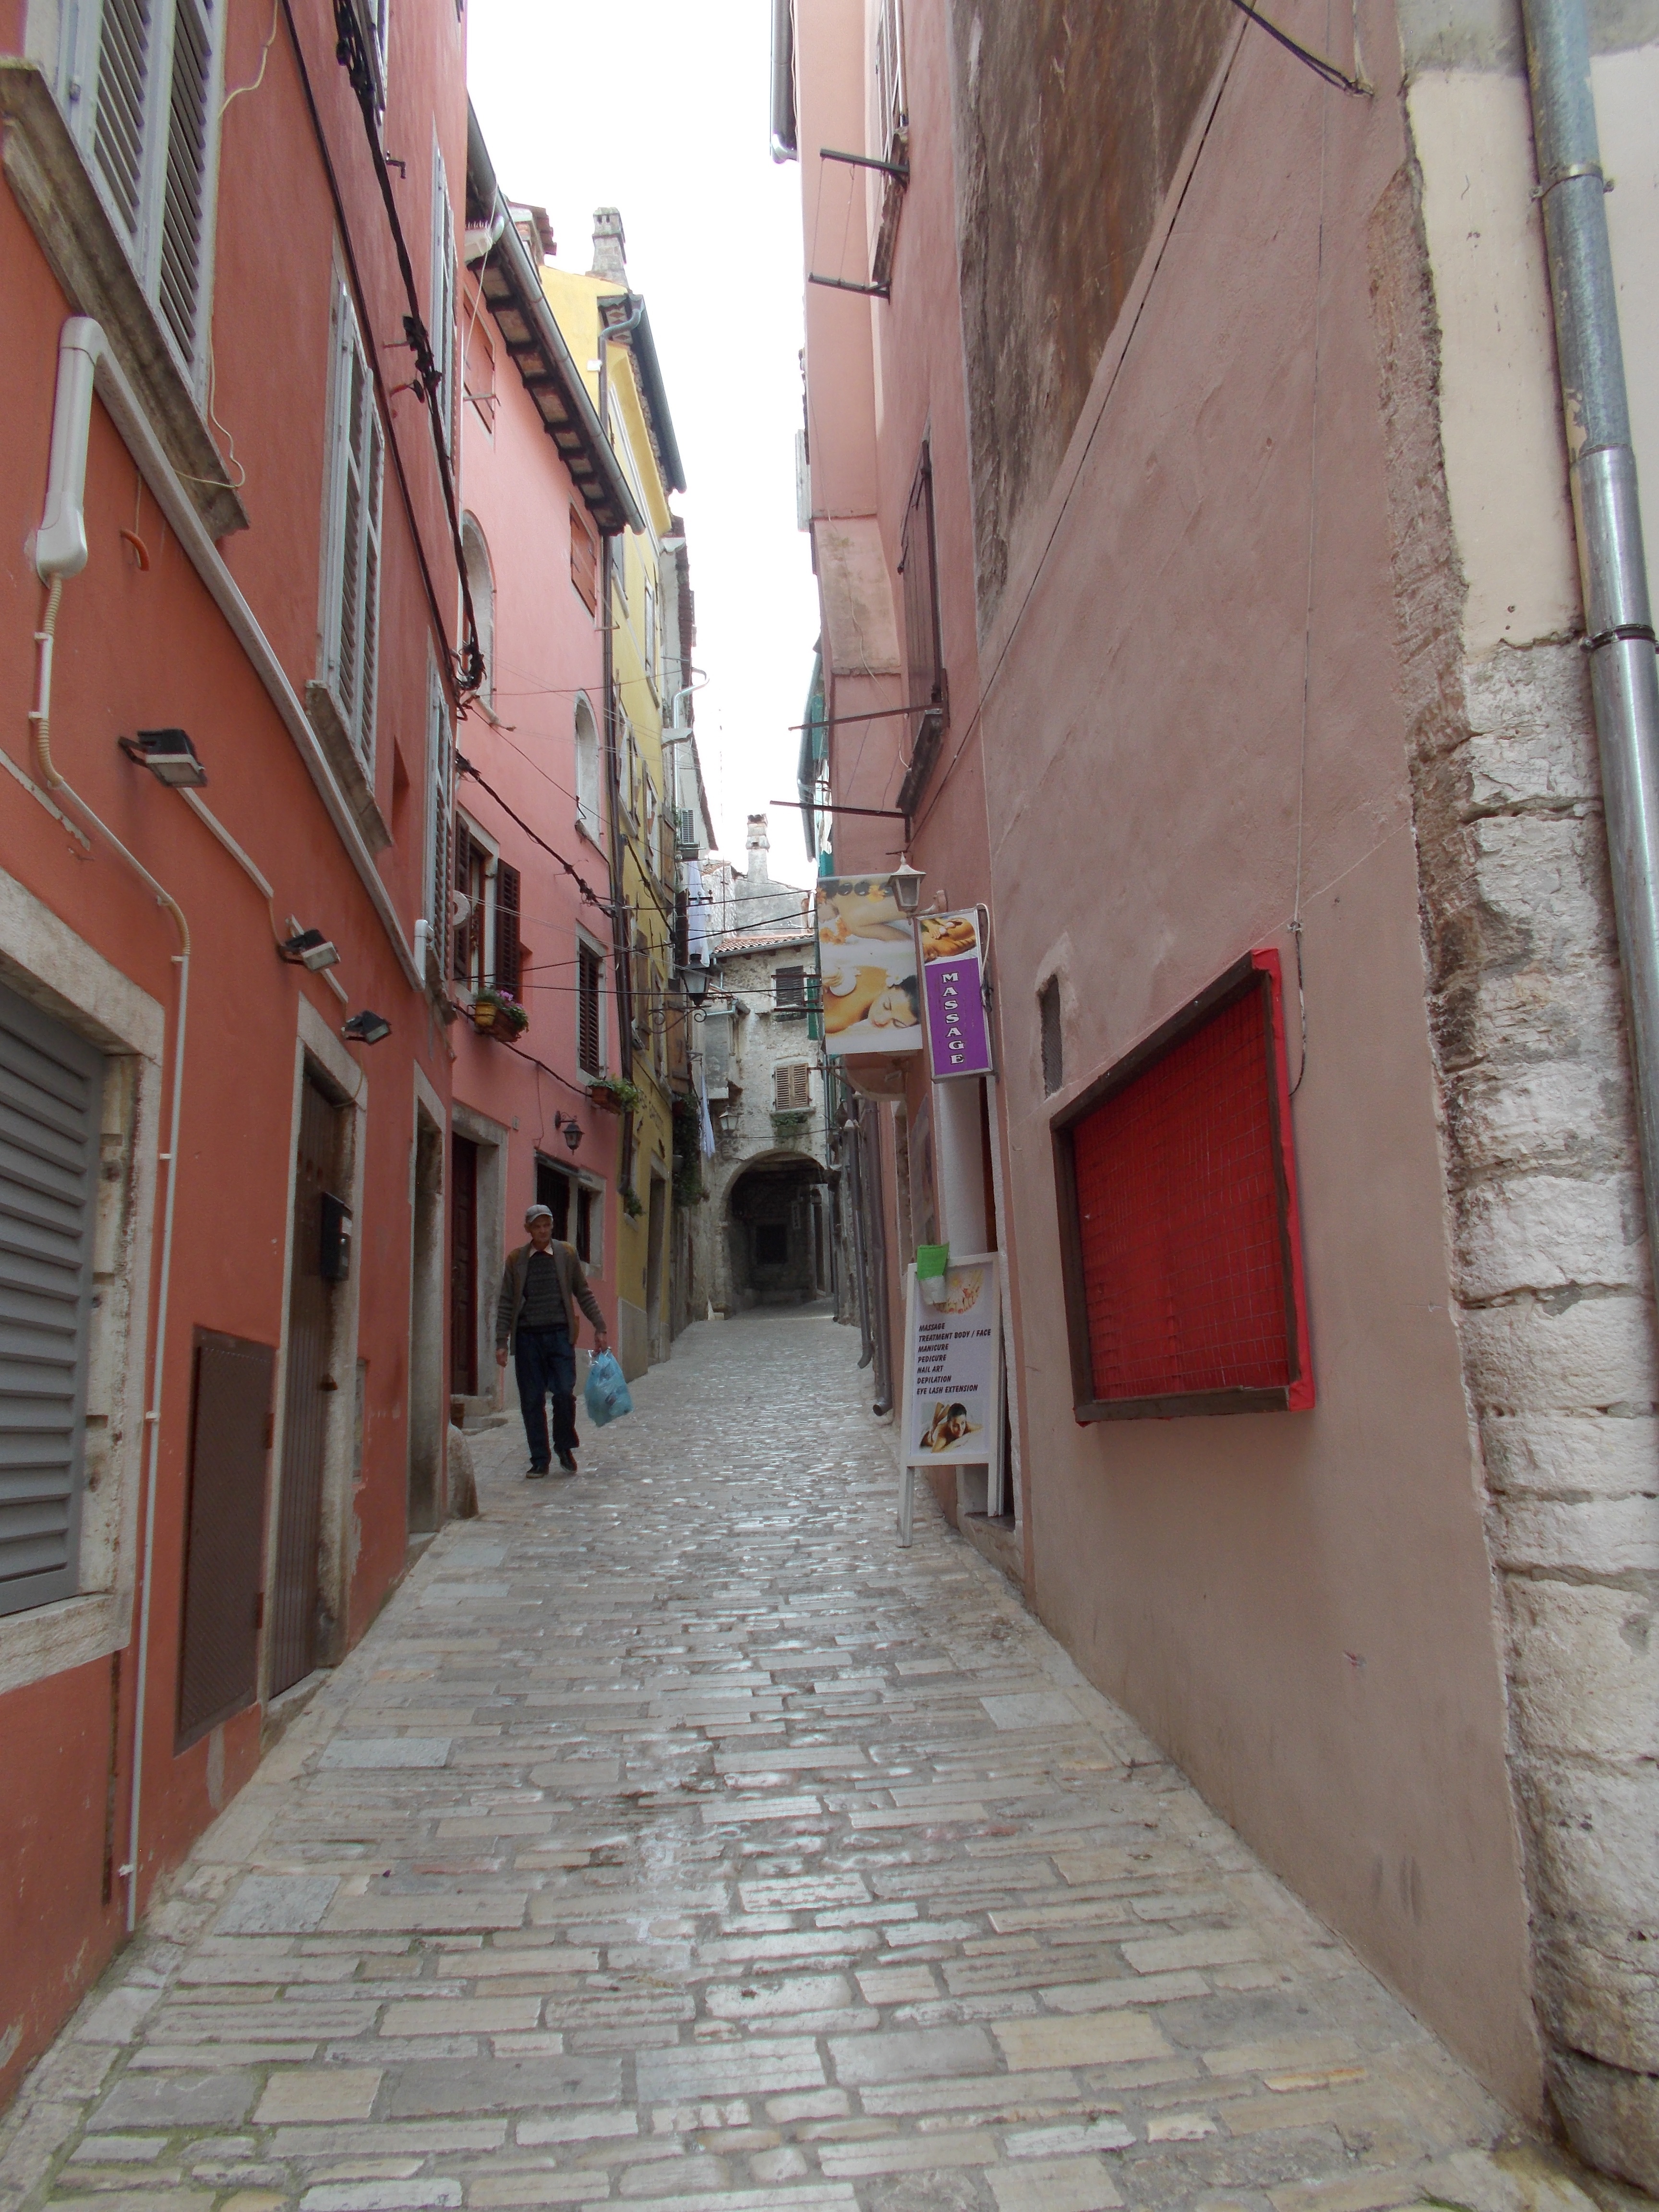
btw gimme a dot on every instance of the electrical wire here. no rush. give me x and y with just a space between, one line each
1326 70
468 666
446 656
464 767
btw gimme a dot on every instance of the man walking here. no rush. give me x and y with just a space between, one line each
542 1285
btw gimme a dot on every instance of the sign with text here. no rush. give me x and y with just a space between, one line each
953 994
953 1369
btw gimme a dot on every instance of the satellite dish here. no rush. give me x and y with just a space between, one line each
460 911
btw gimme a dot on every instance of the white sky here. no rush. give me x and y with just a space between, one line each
660 108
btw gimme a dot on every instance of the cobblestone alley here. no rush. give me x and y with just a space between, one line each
676 1836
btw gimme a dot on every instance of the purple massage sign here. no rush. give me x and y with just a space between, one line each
953 994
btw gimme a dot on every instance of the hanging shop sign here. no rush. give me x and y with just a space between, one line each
867 961
953 994
953 1369
952 1404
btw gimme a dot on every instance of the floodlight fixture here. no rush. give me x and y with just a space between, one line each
168 755
366 1028
309 948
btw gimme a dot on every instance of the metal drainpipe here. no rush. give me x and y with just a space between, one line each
1625 683
1617 616
619 937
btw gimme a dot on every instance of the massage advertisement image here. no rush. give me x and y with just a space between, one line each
867 954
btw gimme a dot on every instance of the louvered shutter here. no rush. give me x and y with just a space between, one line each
50 1096
440 813
125 38
588 974
184 205
462 965
793 1090
372 485
508 962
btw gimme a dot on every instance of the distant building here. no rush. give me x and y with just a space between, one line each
767 1229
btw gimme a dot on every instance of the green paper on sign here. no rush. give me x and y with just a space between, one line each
933 1261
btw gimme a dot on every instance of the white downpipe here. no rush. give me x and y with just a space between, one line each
60 550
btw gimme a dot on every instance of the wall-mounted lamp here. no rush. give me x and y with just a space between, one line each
167 754
309 948
366 1028
695 980
907 885
572 1133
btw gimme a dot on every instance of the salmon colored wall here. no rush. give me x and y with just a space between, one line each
56 1931
148 648
1298 1607
549 648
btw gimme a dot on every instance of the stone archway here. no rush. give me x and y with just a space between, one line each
776 1226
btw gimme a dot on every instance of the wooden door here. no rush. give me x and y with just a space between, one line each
464 1267
295 1597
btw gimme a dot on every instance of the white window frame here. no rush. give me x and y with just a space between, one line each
481 582
140 212
356 450
442 297
481 947
589 801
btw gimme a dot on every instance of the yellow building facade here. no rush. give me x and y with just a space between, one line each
606 326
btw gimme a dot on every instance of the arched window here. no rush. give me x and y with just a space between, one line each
588 770
481 583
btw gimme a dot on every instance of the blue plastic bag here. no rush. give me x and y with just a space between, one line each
607 1395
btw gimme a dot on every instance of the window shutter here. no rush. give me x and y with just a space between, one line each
917 564
442 332
793 1086
588 968
124 55
50 1092
462 932
508 960
372 485
183 206
439 819
584 557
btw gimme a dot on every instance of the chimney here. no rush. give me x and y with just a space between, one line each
610 247
759 846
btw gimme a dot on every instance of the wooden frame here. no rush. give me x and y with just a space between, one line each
1257 973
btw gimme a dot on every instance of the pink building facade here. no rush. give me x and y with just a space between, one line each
1269 745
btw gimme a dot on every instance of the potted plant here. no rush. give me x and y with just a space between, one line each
633 1206
614 1093
498 1013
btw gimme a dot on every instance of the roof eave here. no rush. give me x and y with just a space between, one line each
518 306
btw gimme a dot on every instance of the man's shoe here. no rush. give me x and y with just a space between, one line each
534 1473
566 1464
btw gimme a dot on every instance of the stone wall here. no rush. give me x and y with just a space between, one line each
1551 1266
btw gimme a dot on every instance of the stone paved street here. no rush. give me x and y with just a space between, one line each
675 1837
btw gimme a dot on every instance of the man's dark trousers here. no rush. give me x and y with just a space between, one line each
544 1359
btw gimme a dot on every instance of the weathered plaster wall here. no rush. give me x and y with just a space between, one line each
1299 1608
1050 235
1552 1274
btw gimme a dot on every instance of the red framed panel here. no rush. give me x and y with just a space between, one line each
1179 1234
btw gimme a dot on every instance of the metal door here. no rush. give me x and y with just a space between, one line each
230 1437
295 1596
464 1267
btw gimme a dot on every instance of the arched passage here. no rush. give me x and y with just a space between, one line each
777 1232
